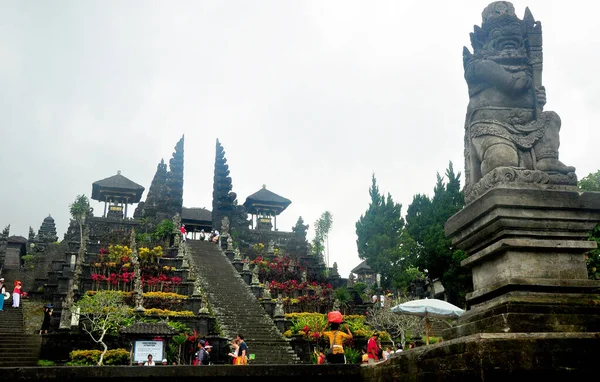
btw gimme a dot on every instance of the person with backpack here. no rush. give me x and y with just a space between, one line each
336 342
202 356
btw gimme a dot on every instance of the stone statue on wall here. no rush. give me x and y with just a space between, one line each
246 266
266 291
225 226
271 247
237 255
279 311
508 135
255 280
177 229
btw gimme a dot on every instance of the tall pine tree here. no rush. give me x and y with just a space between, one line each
378 232
425 221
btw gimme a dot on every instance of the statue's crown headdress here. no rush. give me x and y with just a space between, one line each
496 12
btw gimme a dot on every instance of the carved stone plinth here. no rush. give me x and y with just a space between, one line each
230 254
238 265
268 306
526 250
282 324
256 290
513 177
246 276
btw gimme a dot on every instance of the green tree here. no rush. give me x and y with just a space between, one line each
378 233
322 229
80 209
425 219
102 314
592 183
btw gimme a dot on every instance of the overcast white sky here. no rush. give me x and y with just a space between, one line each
308 97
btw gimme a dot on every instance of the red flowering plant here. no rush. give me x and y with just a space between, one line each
279 269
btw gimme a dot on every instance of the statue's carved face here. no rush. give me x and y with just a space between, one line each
505 42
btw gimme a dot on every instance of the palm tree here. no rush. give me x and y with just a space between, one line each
323 227
80 209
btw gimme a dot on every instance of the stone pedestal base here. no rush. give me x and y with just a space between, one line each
531 312
526 248
494 357
256 290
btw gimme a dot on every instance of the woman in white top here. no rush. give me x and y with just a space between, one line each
150 361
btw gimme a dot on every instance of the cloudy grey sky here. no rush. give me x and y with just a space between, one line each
308 97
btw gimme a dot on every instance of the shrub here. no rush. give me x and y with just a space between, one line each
172 313
91 357
352 355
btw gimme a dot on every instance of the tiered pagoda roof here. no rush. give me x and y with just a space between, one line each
264 199
118 188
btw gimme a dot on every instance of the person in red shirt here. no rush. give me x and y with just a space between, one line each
183 232
373 348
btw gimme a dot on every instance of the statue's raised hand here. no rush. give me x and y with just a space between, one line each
521 82
540 93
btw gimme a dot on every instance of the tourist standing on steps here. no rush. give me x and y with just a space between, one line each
183 232
242 351
17 294
3 296
46 323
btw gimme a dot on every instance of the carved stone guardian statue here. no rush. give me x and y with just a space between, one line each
237 255
279 312
246 267
225 226
266 291
255 280
508 135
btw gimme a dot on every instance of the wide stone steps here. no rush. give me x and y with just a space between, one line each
16 347
236 309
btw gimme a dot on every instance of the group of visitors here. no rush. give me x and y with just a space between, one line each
213 236
16 295
239 352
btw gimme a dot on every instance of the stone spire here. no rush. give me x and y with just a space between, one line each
155 201
224 200
47 231
175 181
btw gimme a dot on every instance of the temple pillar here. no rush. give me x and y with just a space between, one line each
526 248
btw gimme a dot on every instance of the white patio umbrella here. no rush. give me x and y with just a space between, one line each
428 307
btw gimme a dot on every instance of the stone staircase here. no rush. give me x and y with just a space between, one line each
236 309
16 347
